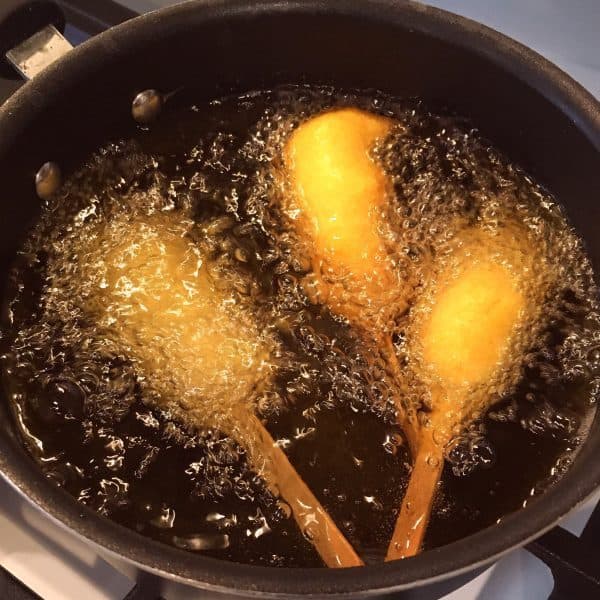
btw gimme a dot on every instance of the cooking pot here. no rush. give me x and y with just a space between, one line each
527 107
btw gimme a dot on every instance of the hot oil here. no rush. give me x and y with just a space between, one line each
112 422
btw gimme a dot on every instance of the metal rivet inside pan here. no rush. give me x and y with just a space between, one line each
47 180
146 106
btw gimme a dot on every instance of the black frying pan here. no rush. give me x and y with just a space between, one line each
535 113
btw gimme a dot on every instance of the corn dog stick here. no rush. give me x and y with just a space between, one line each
412 521
465 341
312 519
199 346
337 197
405 419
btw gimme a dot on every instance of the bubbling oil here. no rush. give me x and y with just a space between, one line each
144 426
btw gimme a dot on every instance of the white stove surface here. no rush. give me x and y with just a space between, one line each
58 566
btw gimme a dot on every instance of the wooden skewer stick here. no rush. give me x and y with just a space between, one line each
312 519
407 422
415 511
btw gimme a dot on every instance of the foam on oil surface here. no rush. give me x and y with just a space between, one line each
130 423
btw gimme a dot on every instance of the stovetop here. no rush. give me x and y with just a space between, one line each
40 559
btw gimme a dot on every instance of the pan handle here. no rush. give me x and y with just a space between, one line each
30 35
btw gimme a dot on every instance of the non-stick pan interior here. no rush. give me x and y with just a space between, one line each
526 107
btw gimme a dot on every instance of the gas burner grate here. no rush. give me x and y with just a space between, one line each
573 560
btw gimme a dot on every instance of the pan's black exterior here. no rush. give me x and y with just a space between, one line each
526 106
